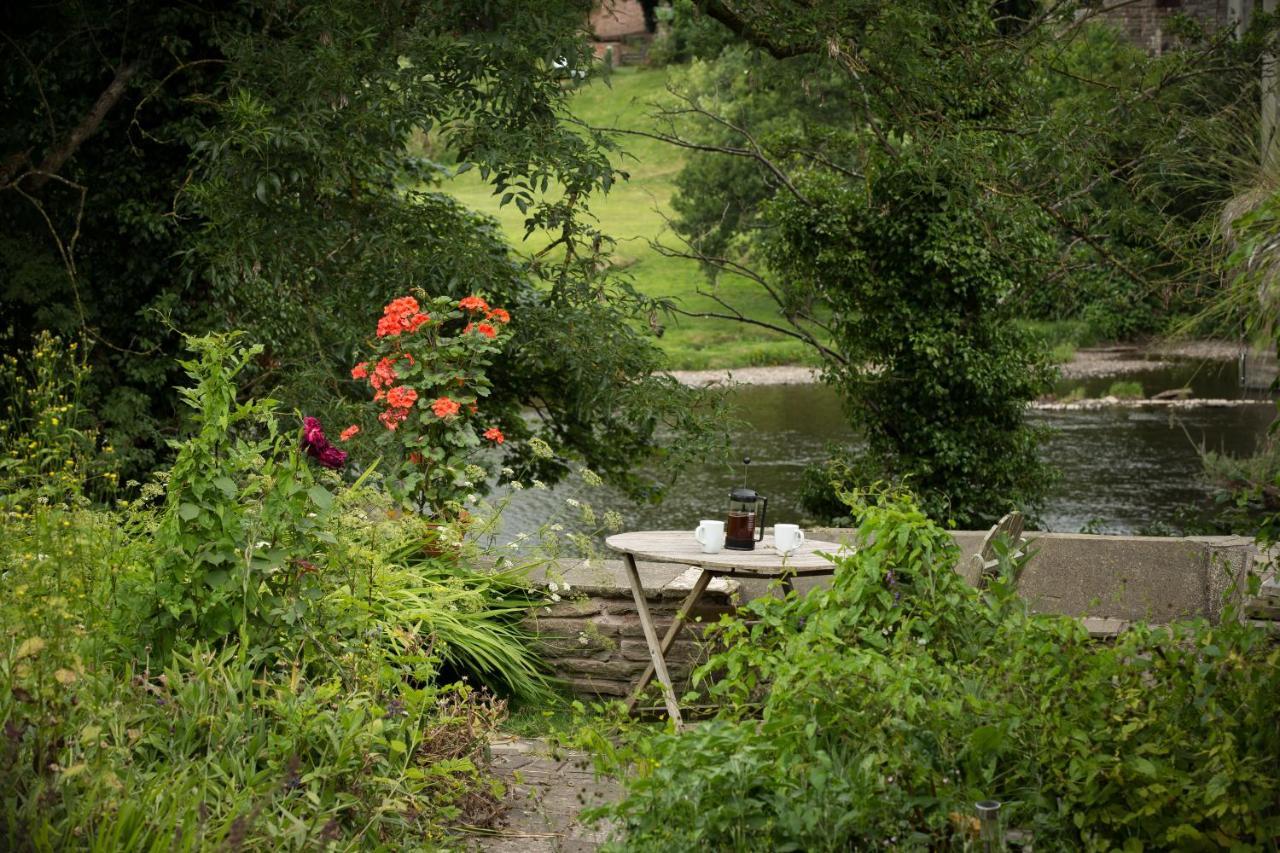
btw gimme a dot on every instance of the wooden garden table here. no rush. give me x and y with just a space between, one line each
679 546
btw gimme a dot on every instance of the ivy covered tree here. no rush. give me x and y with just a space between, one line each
201 166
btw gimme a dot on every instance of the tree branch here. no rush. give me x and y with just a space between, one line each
57 158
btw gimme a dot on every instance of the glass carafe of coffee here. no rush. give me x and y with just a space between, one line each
744 527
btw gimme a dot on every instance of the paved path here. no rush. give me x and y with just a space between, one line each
546 788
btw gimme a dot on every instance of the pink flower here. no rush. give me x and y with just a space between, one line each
317 446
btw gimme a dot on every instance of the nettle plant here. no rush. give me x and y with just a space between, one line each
428 372
243 525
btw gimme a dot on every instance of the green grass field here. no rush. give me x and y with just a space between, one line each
633 213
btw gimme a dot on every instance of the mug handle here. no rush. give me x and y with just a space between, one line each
799 539
698 534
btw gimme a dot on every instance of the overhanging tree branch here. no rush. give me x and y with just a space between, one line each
61 153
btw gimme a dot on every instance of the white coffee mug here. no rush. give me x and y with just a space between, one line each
711 535
787 538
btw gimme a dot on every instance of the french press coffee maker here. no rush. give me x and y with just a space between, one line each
743 529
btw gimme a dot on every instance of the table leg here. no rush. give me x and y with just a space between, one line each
699 586
651 637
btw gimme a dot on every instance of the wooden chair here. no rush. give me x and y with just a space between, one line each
984 565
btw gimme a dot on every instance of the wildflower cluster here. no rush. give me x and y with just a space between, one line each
427 371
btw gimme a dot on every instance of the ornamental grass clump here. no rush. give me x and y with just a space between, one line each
428 371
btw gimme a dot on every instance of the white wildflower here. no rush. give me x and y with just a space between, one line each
553 586
472 498
508 471
555 596
516 485
573 502
591 478
556 528
538 484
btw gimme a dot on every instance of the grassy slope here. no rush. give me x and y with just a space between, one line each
633 214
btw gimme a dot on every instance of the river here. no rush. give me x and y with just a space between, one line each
1122 470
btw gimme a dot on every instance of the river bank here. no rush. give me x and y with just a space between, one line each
1094 363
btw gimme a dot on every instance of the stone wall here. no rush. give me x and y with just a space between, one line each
592 637
1146 22
593 640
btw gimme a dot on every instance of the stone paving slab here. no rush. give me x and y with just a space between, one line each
546 789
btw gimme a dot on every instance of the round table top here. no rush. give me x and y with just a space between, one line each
679 546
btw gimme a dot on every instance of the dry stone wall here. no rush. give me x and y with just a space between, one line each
593 641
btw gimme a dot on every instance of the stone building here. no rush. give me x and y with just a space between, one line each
1146 22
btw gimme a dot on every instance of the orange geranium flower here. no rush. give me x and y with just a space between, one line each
495 435
384 373
444 407
501 315
487 330
401 315
348 433
360 371
402 397
473 303
392 418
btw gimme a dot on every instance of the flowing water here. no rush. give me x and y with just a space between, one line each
1122 470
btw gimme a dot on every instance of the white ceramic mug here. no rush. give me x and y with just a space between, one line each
711 536
787 538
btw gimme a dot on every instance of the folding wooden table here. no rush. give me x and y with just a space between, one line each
679 546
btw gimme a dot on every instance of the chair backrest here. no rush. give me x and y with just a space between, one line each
984 564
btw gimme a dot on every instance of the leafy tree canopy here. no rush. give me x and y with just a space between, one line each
907 180
246 165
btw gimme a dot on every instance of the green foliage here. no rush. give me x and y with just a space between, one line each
876 712
313 697
254 173
934 369
49 452
243 519
1126 390
691 35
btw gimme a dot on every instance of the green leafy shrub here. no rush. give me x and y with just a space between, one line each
330 709
243 519
875 713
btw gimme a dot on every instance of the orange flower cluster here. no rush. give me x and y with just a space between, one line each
495 435
444 407
402 397
483 328
475 304
401 315
348 433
